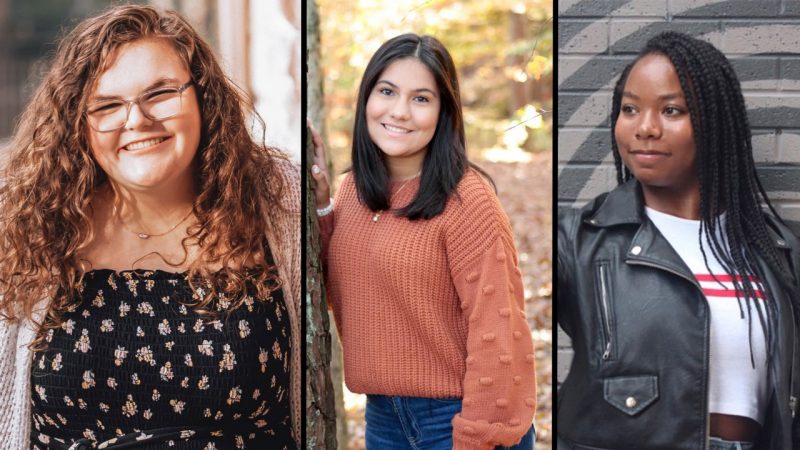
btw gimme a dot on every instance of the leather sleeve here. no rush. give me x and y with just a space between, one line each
565 266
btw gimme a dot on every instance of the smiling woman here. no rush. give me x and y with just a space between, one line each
422 273
402 112
148 143
678 288
151 252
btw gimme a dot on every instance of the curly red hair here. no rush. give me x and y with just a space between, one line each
50 177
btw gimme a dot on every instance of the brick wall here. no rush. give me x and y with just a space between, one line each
597 39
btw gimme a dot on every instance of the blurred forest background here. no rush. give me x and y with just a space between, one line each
503 50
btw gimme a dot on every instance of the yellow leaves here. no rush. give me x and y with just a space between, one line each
502 49
539 65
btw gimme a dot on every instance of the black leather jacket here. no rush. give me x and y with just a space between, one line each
639 325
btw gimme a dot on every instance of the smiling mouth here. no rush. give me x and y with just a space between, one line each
144 144
394 129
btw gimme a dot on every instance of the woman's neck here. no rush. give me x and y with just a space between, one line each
150 211
683 204
405 168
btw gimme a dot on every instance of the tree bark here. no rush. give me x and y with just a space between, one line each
320 412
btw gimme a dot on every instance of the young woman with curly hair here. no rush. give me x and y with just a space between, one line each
679 287
150 269
422 273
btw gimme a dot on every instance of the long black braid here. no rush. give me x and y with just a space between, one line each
727 175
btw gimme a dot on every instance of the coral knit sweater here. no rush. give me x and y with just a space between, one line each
434 308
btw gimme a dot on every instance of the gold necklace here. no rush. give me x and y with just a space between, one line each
378 213
146 235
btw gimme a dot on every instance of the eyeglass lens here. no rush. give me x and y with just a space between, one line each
157 105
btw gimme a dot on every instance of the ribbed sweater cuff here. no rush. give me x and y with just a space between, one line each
470 435
463 443
481 435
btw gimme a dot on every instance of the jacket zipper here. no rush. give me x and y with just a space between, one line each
707 343
792 393
606 320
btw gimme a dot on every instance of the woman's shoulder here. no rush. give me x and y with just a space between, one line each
346 190
289 173
475 191
475 207
571 217
782 234
348 180
474 221
288 169
621 205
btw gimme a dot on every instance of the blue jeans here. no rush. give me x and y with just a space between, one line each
416 423
719 444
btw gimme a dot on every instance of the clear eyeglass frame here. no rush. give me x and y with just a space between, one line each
139 100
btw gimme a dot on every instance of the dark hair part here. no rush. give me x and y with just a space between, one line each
445 161
727 175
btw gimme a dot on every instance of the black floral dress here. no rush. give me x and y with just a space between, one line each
135 366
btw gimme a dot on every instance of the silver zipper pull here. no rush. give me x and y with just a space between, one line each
793 404
607 353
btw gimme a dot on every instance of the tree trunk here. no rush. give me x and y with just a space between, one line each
321 416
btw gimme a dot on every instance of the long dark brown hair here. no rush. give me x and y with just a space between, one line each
446 159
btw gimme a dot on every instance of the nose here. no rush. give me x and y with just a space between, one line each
649 126
136 117
400 110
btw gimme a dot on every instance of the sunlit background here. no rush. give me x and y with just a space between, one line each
503 50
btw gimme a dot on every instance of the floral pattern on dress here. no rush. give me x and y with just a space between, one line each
134 362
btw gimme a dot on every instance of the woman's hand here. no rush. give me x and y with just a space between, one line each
319 169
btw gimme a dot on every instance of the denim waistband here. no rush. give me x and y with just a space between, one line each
721 444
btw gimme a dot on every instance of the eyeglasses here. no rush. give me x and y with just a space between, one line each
156 104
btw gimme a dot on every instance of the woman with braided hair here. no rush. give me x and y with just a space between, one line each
678 287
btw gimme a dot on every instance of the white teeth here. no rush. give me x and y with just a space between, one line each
143 144
395 129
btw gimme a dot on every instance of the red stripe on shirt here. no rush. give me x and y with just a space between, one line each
727 293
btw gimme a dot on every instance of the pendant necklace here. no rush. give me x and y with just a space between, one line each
378 213
146 235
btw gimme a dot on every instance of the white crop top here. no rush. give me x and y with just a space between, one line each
735 387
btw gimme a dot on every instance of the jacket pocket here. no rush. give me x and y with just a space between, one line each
563 444
603 289
631 395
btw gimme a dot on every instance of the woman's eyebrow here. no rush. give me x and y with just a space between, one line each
394 86
667 96
163 81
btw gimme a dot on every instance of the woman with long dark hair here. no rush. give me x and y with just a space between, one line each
422 274
150 269
679 287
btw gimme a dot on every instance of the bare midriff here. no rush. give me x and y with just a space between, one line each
734 428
